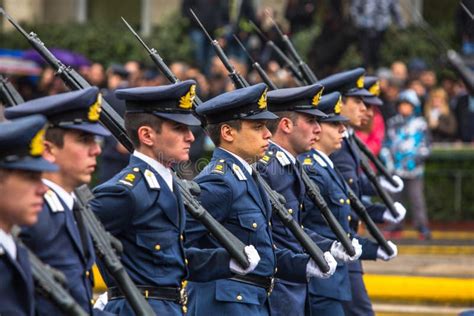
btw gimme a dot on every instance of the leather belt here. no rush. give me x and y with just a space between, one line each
264 282
176 294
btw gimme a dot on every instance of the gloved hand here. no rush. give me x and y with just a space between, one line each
312 270
340 254
252 256
101 301
381 254
388 217
389 187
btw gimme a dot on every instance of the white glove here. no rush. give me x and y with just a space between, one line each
389 187
312 270
340 254
252 256
401 210
381 254
101 301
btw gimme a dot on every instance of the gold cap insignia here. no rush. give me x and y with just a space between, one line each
360 82
186 101
337 107
375 88
95 109
37 143
317 98
262 102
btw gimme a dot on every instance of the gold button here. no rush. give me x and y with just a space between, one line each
157 247
185 309
136 169
270 224
290 210
88 273
349 235
239 297
301 206
181 237
351 180
254 225
349 218
274 246
92 302
276 270
186 261
302 226
360 223
348 201
341 201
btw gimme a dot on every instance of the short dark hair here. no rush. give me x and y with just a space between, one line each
214 130
272 125
133 121
55 135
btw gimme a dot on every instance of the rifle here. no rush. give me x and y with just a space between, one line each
312 190
236 78
109 118
277 200
294 70
189 189
361 211
308 75
8 93
453 58
156 58
257 67
377 163
381 192
105 246
115 124
50 283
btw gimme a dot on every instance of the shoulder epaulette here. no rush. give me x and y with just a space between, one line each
53 201
238 172
220 167
282 158
320 161
267 157
130 178
307 161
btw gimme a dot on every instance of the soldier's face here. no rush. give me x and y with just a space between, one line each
304 133
173 143
77 158
21 199
331 137
353 108
251 141
368 115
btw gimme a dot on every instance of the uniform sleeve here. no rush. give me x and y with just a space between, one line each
375 211
291 266
29 235
114 206
369 249
201 259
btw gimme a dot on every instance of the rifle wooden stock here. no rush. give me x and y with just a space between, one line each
280 210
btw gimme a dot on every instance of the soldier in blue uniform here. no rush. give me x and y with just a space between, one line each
58 238
21 165
236 123
142 206
294 132
329 294
347 161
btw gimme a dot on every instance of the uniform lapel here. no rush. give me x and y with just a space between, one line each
168 200
332 173
72 229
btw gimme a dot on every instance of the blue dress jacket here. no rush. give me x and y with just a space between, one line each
16 286
234 198
138 208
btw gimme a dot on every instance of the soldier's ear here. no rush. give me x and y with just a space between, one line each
146 135
50 150
285 125
227 133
